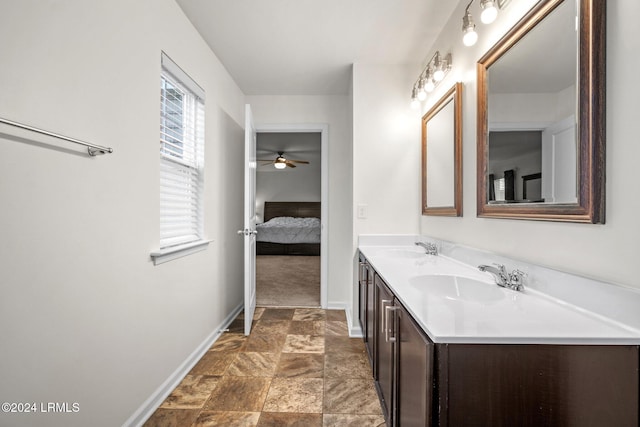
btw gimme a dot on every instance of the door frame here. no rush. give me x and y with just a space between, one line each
323 129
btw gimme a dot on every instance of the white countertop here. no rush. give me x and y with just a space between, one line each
487 315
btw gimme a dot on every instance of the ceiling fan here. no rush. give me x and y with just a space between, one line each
281 162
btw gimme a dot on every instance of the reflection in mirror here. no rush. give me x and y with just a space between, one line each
514 155
540 134
442 156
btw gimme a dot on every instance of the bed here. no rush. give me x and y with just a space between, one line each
289 228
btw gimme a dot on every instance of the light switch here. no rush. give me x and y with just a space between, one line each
362 211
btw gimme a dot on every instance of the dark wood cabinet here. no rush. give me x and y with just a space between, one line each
446 384
533 385
404 363
385 358
366 311
362 295
414 371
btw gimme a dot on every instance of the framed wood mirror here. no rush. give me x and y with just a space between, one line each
541 116
442 156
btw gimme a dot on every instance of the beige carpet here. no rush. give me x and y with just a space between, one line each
287 281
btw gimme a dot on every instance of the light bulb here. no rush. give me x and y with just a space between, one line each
429 86
415 104
422 95
470 37
489 11
279 165
438 74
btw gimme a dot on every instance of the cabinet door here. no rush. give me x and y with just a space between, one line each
385 348
414 374
531 385
370 328
362 300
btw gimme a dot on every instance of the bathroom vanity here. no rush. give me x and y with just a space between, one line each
450 348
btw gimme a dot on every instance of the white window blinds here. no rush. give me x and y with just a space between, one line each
181 158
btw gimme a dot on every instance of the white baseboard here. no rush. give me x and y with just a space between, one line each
155 400
354 329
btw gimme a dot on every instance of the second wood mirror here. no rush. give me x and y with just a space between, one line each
442 156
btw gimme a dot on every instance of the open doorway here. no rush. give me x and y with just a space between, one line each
289 214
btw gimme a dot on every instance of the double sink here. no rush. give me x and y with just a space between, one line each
456 303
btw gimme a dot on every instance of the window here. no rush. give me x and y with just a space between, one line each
181 158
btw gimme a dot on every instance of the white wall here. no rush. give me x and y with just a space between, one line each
386 155
606 252
331 110
85 316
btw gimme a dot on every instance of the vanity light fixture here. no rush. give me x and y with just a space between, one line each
469 35
487 16
432 74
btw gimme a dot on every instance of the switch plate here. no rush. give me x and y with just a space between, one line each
362 211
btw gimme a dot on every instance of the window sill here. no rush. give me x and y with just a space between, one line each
175 252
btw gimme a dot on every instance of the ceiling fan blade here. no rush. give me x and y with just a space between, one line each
266 163
264 160
304 162
288 163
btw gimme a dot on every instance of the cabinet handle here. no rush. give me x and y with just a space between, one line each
362 269
387 336
383 303
383 315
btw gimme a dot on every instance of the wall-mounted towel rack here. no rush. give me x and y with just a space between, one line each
92 149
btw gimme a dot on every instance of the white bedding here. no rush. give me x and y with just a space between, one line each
286 229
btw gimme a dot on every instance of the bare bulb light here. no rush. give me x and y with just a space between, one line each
469 35
470 38
429 86
422 95
415 103
489 11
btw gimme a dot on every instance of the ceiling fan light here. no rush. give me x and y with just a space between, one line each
280 165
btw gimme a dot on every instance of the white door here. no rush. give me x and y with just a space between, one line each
560 162
249 231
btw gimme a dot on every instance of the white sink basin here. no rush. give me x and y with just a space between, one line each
458 288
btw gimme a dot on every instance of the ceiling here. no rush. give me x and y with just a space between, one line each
306 47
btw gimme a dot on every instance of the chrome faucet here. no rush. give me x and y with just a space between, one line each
431 248
513 280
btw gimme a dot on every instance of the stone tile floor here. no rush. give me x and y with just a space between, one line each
297 368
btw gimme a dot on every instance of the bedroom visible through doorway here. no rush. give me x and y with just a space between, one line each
289 216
